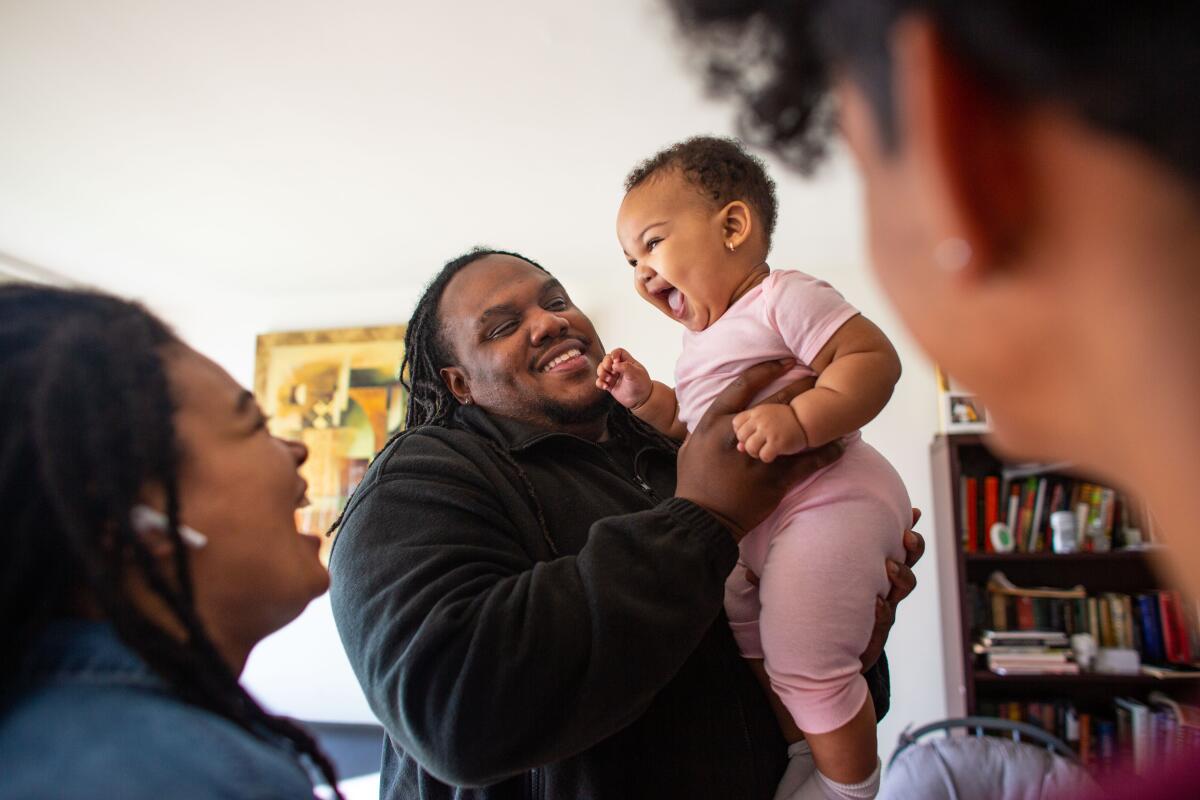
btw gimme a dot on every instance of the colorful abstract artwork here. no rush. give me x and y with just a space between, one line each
338 391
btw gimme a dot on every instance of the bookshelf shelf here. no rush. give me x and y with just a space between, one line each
1113 557
1129 571
1057 682
963 577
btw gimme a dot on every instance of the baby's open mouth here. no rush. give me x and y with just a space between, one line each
673 298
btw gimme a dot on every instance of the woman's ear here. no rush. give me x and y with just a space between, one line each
737 223
966 143
456 382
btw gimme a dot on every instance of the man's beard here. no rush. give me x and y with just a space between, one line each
561 414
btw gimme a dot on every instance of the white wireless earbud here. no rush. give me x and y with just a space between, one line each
145 519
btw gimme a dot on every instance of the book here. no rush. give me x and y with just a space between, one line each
1024 638
1139 721
1107 634
991 504
1085 739
970 504
1057 501
1176 641
1152 640
1120 625
1028 498
1069 668
1014 508
1025 619
1039 508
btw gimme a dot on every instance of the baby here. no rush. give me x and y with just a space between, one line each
696 226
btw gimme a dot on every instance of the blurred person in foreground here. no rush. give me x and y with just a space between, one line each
1032 187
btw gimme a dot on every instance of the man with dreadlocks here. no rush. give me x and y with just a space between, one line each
529 581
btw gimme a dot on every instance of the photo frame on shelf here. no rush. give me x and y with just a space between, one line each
338 391
959 411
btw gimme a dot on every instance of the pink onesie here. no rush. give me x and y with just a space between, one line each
820 555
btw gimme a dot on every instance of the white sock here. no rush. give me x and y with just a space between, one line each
800 767
819 787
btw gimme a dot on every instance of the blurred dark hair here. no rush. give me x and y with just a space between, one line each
1130 69
721 170
86 423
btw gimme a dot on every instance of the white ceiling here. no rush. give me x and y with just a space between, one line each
158 148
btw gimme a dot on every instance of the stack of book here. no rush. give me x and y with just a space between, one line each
1129 732
1026 653
1162 626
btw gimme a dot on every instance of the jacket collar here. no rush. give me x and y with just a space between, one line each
511 434
78 650
514 435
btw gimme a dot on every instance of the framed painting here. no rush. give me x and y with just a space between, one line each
338 392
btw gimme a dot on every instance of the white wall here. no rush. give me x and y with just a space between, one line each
285 165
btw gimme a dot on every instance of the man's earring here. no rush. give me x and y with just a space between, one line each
466 401
952 254
730 246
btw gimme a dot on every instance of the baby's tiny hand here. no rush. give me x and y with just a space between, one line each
768 431
624 378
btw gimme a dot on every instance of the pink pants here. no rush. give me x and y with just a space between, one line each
820 561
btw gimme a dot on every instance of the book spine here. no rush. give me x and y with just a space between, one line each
1170 639
1014 510
1184 644
1085 739
972 517
1152 645
1025 615
991 501
1039 507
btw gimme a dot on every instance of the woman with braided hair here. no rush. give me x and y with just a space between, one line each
150 543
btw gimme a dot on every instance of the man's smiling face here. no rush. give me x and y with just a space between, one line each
520 347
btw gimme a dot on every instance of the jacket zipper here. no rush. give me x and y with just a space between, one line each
636 479
535 785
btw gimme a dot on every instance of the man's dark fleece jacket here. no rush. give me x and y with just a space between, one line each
534 615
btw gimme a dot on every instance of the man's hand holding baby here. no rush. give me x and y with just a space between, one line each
768 431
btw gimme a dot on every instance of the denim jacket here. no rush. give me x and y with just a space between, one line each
88 718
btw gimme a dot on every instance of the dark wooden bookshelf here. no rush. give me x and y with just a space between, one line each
1126 571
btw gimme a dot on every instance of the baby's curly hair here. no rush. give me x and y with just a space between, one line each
721 170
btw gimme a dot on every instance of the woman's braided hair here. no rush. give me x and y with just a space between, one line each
88 422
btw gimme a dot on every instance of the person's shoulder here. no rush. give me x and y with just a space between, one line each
105 740
428 441
792 280
790 292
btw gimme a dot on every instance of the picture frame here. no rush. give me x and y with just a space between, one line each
337 391
959 411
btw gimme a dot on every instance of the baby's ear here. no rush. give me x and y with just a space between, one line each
737 223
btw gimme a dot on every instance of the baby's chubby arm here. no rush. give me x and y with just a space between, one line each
622 376
857 370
